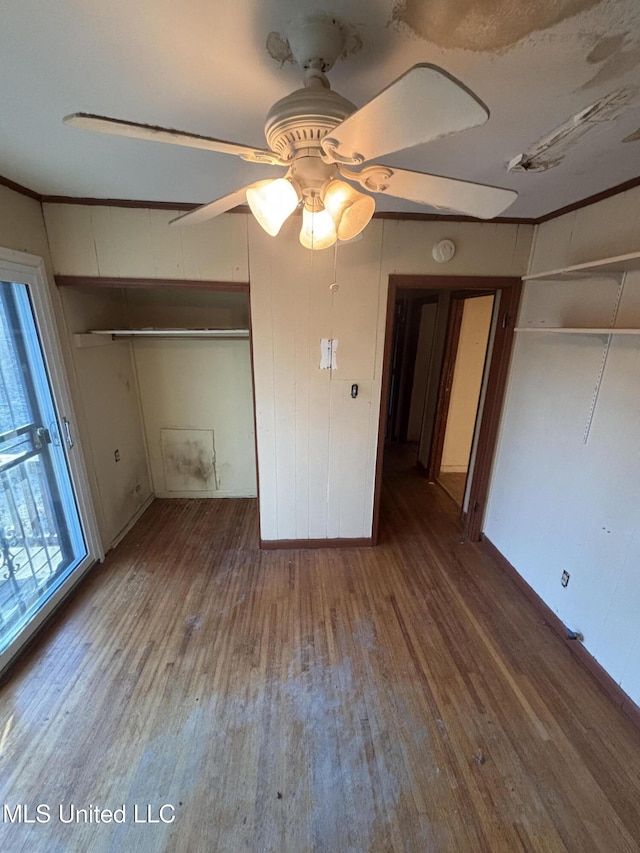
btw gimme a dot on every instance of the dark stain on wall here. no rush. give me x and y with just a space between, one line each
490 26
189 460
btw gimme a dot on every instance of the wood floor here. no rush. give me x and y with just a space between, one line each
454 483
400 698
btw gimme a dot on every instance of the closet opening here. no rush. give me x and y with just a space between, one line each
165 373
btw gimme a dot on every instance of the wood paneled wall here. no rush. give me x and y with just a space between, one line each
316 445
121 242
601 230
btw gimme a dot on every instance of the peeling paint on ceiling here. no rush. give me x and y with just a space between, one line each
278 46
483 25
549 151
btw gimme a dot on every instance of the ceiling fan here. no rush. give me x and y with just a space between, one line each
324 142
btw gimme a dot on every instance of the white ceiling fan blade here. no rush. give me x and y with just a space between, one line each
424 104
213 208
450 194
104 124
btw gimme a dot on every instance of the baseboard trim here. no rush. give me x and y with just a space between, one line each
117 539
297 544
606 682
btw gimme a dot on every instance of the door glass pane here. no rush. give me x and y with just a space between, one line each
41 540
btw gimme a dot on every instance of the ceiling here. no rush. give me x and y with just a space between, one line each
203 66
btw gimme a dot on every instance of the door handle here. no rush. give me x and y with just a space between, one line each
67 433
42 437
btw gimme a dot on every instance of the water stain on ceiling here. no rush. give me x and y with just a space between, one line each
605 48
613 60
483 25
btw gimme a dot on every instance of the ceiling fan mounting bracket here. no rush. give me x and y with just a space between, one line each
316 41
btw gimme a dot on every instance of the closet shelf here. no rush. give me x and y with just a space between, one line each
100 337
617 264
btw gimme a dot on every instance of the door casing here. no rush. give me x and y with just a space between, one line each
509 288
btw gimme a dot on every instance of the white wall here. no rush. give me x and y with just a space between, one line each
105 378
316 445
22 226
557 503
467 381
202 385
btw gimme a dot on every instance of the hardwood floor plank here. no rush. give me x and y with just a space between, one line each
399 698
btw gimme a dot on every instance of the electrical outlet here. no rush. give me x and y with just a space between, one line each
116 455
564 580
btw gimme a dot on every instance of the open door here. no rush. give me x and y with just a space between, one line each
459 399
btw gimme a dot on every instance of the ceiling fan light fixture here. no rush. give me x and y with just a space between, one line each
272 202
318 230
351 210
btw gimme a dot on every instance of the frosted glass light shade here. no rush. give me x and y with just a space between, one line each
271 202
318 230
350 209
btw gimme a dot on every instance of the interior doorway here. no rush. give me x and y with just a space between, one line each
460 391
447 348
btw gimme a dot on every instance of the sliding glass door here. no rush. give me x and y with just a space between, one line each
44 540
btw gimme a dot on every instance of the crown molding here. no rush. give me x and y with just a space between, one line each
420 217
592 199
18 188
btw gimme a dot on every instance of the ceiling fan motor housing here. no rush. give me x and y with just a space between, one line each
303 118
